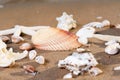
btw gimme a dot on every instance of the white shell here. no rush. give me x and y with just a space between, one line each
80 49
111 42
67 76
66 22
40 59
4 38
83 40
99 17
95 71
86 32
26 46
112 49
16 39
117 26
106 23
32 54
116 68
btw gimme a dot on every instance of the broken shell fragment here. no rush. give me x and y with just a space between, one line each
40 59
32 54
111 42
95 71
67 76
55 39
80 49
4 38
17 39
26 46
112 49
29 69
116 68
106 23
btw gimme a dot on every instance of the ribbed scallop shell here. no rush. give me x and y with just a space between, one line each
54 39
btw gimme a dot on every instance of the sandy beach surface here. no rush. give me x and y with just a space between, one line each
38 12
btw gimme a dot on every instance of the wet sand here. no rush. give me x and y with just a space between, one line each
36 12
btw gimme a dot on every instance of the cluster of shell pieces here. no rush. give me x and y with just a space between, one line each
79 63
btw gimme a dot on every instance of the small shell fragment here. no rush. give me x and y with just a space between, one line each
111 42
67 76
80 49
26 46
106 23
95 71
4 38
40 59
32 54
29 68
117 26
17 39
116 68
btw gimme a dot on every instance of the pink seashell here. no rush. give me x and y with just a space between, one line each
55 39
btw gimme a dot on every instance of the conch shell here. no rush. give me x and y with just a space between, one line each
55 39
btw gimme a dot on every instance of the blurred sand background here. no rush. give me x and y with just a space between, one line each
44 12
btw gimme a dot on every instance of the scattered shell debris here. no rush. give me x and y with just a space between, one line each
40 59
32 54
67 76
79 63
112 47
26 46
29 69
8 57
66 22
98 24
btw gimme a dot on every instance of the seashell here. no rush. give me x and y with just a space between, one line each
117 26
68 76
112 49
29 68
26 46
86 32
116 68
80 49
111 42
99 17
106 23
32 54
40 59
83 40
66 22
95 71
17 39
4 38
54 39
